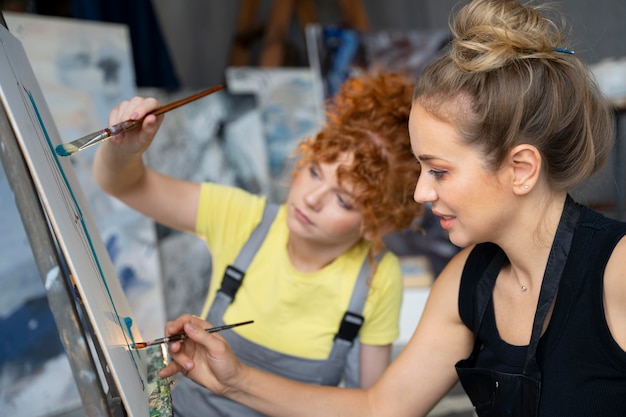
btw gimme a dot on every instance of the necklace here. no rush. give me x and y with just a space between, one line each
524 288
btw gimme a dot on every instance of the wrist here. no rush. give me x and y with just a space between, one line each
238 385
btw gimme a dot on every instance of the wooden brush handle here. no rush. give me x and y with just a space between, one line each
183 101
127 125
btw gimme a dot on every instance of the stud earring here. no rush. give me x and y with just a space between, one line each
525 186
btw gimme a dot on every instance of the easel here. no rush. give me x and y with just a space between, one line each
274 33
62 303
98 389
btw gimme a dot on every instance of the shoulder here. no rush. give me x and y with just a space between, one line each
389 273
451 275
615 292
389 262
225 192
615 265
224 209
456 283
606 244
224 197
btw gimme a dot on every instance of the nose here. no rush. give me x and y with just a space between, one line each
424 192
314 197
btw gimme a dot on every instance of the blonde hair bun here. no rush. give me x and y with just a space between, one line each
488 34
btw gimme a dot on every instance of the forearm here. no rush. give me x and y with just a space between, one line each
117 172
209 361
276 396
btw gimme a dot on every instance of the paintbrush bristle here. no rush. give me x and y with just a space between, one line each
139 345
66 149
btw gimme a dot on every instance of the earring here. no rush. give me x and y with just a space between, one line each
526 186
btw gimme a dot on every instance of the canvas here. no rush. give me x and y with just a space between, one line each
291 109
336 53
84 68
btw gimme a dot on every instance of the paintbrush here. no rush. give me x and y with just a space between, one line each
181 336
85 142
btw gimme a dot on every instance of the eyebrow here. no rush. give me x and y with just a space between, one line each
426 157
341 190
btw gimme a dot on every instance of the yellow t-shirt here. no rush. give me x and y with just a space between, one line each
294 313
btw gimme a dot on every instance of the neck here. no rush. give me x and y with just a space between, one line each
528 246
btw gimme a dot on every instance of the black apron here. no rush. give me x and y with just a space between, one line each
494 393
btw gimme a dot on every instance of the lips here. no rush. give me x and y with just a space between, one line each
445 221
301 217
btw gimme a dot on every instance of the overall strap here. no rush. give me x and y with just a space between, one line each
353 319
345 353
234 273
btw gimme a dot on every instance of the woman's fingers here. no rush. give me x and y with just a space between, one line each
171 369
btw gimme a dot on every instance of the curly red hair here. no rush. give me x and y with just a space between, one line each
369 119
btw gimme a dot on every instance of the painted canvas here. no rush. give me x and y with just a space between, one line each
291 109
84 69
335 53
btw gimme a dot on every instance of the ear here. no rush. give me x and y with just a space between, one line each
525 162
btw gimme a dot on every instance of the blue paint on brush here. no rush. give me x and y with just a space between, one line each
60 150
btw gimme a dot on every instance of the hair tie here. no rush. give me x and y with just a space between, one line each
564 51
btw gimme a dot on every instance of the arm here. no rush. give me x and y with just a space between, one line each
120 171
382 317
615 293
421 375
374 361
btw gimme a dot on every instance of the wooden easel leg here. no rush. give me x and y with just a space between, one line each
276 32
354 14
246 32
306 12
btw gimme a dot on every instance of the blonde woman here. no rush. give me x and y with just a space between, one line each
530 315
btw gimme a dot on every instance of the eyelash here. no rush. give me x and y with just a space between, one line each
438 174
343 203
313 172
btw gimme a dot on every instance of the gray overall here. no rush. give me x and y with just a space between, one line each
342 364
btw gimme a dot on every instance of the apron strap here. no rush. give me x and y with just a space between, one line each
484 290
550 284
551 278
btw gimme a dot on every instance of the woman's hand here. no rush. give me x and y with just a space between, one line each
206 358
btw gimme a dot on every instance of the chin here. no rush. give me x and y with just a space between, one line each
460 241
